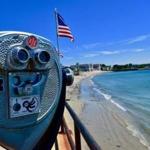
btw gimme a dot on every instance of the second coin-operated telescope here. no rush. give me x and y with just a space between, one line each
32 91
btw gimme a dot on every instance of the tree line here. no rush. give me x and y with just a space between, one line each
130 66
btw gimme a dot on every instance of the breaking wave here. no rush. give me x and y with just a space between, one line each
109 97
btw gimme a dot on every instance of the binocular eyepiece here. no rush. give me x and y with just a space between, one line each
43 57
20 56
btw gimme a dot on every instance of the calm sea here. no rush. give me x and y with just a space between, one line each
130 92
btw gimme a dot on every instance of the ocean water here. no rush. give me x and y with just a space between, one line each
130 92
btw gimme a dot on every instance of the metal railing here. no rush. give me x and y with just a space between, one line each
79 129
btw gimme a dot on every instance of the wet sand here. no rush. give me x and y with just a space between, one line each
104 120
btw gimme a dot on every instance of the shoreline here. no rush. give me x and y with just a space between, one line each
103 120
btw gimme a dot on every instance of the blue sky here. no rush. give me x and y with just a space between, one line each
105 31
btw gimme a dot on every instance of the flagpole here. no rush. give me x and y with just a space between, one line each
57 40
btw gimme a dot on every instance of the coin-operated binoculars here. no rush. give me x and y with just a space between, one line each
32 91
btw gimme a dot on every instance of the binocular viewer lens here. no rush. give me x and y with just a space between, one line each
23 55
20 55
43 57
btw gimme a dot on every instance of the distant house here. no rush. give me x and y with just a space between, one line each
86 67
89 67
96 66
106 68
82 67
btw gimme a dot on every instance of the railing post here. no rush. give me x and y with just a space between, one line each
56 144
67 132
62 130
77 137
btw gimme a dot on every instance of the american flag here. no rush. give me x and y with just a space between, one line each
62 29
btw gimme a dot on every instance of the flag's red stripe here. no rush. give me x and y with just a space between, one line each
60 29
71 37
66 35
63 27
64 31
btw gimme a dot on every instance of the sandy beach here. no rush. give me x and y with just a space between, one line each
106 123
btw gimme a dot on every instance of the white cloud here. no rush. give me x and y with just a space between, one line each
91 55
91 45
138 50
99 53
121 42
113 52
110 52
138 39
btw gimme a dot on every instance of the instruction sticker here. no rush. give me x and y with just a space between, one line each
25 105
